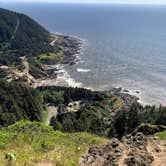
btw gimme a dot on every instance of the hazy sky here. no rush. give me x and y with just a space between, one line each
95 1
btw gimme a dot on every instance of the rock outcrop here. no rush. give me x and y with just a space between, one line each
107 155
137 151
134 150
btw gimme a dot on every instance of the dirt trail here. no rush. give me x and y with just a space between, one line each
122 158
26 64
52 112
16 28
158 149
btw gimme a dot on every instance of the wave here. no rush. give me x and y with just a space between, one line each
63 78
83 70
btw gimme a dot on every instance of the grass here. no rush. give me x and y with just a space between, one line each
50 58
161 135
33 142
44 115
112 101
115 102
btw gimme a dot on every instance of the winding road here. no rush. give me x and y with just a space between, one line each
53 42
52 110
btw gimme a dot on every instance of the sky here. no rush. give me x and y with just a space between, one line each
94 1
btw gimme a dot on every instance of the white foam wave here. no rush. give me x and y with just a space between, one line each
80 70
64 77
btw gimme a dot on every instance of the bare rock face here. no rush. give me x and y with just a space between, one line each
138 154
107 155
131 153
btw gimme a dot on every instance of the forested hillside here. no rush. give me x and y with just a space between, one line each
18 102
20 35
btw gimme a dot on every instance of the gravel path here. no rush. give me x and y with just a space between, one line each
52 112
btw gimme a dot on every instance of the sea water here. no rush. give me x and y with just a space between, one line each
125 44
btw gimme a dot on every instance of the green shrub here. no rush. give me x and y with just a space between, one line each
161 135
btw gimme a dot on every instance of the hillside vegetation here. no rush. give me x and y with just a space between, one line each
18 102
20 35
32 143
161 135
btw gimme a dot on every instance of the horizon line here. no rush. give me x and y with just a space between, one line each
85 2
92 3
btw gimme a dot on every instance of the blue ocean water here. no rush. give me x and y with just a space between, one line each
126 45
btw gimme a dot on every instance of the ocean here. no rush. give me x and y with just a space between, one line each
125 44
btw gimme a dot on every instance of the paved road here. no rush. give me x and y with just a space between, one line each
53 42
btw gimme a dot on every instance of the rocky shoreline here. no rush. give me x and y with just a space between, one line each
72 47
126 99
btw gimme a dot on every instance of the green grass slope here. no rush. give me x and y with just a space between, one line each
31 143
161 135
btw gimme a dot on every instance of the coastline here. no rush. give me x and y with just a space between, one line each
61 76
